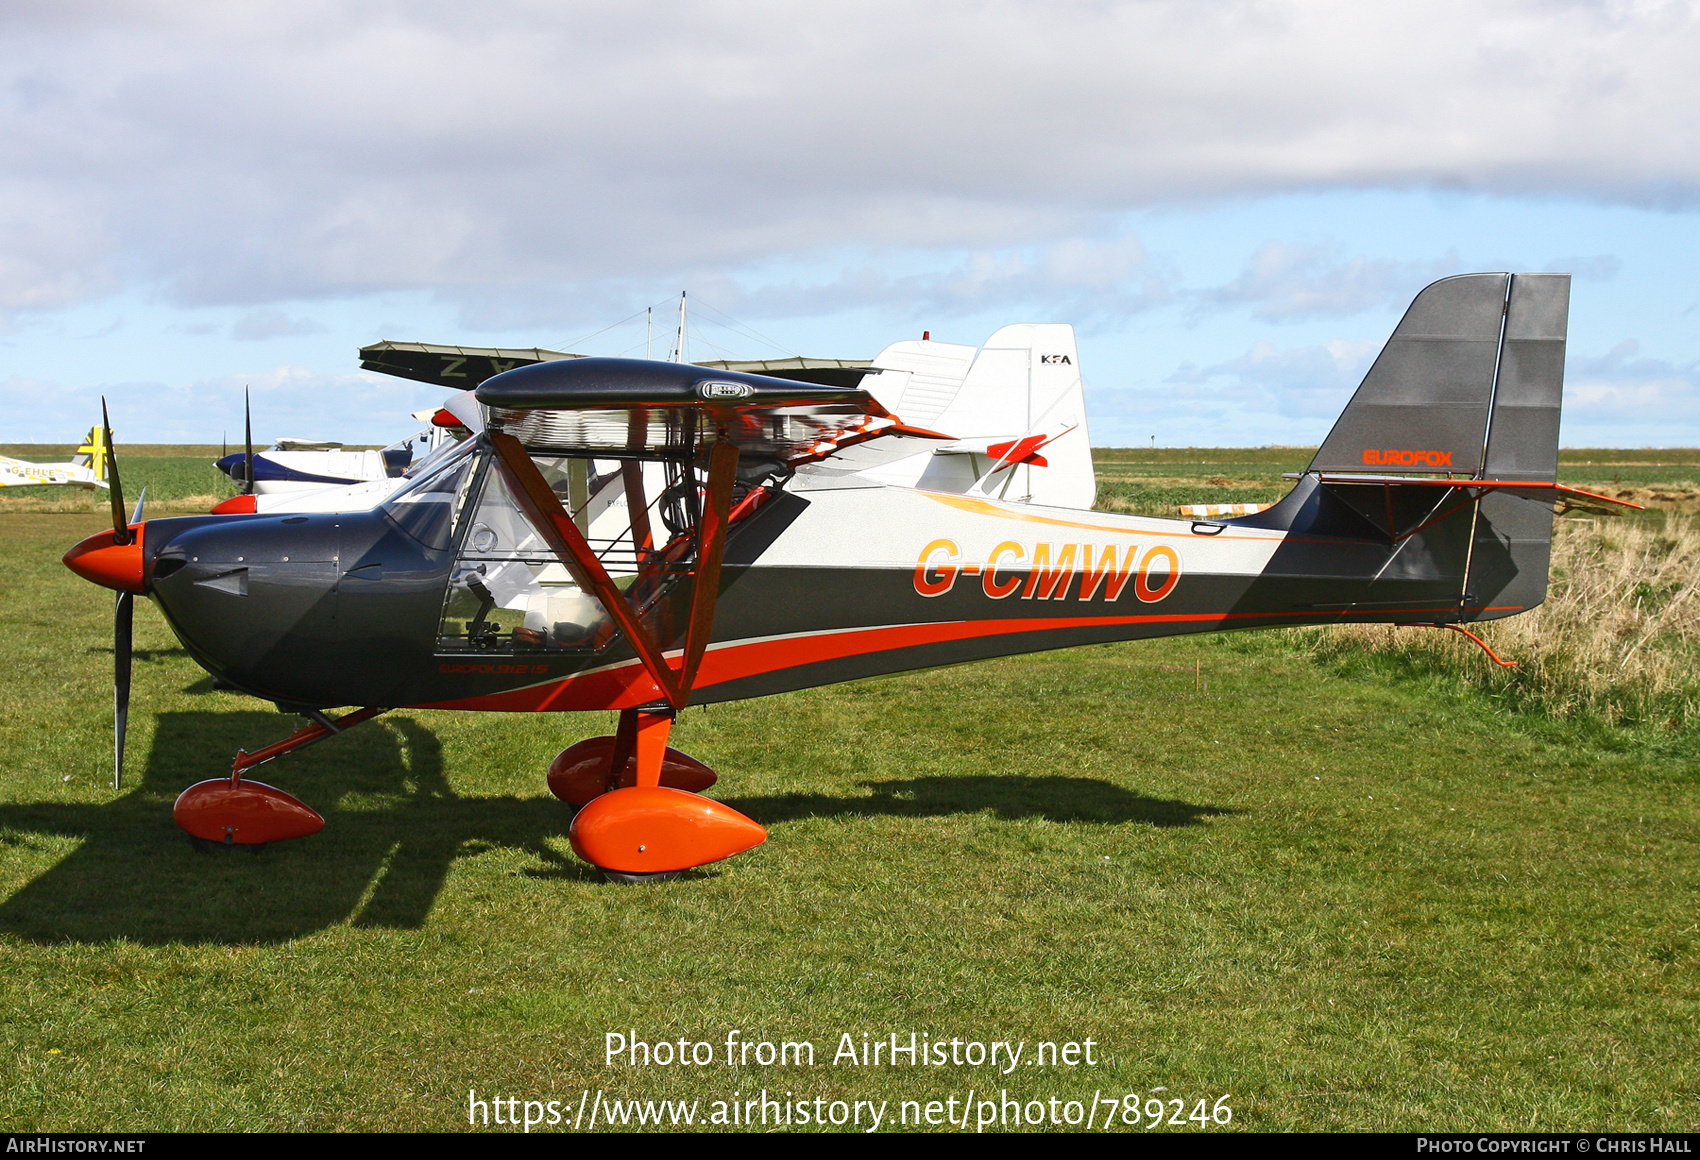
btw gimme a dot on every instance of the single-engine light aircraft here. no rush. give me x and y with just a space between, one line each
535 568
86 469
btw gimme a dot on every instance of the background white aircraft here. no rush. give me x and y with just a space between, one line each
87 468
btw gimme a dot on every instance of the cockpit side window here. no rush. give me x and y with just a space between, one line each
508 593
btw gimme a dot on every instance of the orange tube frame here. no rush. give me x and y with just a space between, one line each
543 508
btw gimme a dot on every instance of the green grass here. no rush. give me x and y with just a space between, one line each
178 478
1350 897
1156 482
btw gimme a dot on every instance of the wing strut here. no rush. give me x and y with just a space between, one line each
643 541
722 468
543 508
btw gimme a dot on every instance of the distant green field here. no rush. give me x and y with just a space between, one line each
172 475
1334 894
1146 481
1157 481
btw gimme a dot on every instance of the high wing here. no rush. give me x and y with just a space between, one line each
636 408
725 440
826 372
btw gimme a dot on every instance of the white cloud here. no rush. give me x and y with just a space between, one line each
1312 382
249 154
1275 395
1588 267
1266 395
263 324
1283 283
1618 390
1087 279
287 401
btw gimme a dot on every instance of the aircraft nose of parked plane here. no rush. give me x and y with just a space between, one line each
100 560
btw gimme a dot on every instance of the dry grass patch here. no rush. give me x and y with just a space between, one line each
1618 636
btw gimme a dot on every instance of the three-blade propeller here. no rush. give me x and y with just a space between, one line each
123 619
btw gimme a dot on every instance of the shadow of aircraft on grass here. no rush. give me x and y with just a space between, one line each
1056 799
394 827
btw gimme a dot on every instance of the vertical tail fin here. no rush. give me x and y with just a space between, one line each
92 453
1469 386
1424 404
1016 406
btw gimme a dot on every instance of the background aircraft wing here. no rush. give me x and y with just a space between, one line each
464 367
461 367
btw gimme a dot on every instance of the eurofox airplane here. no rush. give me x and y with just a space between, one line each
86 469
771 561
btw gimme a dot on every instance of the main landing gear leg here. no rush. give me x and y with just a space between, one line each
585 771
642 742
625 748
649 729
646 831
228 813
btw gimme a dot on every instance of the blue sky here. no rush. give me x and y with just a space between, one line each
1231 202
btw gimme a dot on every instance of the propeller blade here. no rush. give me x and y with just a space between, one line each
136 516
248 443
115 488
123 622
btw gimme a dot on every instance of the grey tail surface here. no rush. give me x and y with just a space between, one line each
1470 386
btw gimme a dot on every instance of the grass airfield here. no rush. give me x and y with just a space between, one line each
1344 895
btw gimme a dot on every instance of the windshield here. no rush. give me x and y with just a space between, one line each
425 505
430 462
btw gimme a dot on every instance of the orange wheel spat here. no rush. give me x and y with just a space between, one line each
248 813
653 829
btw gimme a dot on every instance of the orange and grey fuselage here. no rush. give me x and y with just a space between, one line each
316 611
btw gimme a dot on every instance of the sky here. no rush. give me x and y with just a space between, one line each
1231 201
